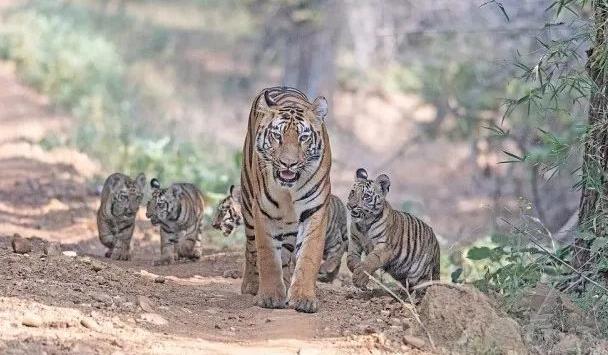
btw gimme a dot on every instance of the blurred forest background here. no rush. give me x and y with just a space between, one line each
417 89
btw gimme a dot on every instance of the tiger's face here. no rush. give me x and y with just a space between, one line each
164 204
228 212
290 139
366 198
126 196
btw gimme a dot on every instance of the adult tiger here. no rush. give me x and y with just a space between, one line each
401 244
178 209
285 188
228 216
120 200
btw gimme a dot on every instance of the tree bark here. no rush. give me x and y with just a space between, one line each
593 212
310 51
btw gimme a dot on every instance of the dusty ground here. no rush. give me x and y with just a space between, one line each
86 304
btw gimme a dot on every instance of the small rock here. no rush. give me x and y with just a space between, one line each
368 329
232 329
96 266
232 274
394 321
32 320
145 303
159 280
21 245
414 341
385 313
70 253
268 320
102 297
153 318
51 249
90 323
217 326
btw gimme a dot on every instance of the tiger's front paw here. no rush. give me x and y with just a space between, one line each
360 279
306 305
272 298
302 299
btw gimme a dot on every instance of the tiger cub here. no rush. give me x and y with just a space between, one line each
228 216
401 244
120 200
178 209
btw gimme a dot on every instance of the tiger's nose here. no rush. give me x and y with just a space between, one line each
288 164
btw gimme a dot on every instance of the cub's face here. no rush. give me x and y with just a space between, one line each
228 212
366 198
127 195
164 204
290 138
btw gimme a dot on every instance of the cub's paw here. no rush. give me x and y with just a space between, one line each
164 260
120 254
306 305
360 279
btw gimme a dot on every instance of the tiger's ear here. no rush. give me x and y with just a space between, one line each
361 174
320 107
384 182
154 184
140 181
269 101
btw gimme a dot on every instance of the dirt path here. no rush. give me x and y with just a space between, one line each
87 304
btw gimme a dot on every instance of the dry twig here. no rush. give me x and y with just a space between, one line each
412 309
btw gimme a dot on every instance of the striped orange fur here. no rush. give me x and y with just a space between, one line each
285 189
397 242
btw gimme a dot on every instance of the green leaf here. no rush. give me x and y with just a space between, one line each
455 276
598 244
479 253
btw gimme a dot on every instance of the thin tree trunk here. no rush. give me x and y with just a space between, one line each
593 211
310 51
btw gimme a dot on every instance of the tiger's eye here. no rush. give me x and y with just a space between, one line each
304 138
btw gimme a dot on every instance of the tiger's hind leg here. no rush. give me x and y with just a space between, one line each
190 247
250 283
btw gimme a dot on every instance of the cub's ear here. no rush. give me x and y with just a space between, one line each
320 108
384 182
115 182
140 180
235 192
361 174
154 183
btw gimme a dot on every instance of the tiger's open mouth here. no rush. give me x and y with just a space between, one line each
288 176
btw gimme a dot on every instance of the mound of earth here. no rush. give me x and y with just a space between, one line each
463 321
